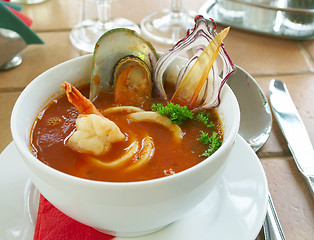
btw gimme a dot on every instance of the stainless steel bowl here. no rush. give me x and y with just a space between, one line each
11 44
282 18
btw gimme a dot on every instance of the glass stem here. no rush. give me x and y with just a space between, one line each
104 12
176 6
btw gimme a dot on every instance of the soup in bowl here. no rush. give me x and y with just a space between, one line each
119 208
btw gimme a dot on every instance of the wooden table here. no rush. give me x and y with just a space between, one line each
263 57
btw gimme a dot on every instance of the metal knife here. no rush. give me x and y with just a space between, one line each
293 129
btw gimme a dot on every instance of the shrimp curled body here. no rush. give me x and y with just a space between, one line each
94 133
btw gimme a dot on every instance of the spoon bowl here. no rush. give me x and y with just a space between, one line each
255 128
256 118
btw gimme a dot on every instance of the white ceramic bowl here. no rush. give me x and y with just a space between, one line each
121 209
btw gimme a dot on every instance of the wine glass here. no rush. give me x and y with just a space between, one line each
85 35
168 25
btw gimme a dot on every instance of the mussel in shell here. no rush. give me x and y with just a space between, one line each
132 83
123 62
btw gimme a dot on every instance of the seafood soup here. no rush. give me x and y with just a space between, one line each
136 125
149 147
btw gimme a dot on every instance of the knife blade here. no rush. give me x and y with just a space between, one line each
293 130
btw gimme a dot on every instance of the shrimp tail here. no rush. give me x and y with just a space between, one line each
81 103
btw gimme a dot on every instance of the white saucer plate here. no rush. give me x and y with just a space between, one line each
235 210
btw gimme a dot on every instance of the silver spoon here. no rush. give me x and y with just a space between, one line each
255 127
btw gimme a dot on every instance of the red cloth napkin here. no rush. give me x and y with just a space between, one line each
52 224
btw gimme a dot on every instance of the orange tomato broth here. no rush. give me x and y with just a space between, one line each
56 122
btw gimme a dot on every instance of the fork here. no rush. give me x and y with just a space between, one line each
272 228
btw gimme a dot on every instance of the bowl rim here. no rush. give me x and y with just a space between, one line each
26 153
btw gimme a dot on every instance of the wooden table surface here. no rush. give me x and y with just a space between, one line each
262 56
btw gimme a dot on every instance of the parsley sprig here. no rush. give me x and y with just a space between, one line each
213 143
176 113
204 117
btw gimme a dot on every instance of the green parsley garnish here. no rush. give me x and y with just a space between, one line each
175 112
204 117
211 124
213 143
178 114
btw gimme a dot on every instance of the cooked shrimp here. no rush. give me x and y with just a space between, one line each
94 133
81 103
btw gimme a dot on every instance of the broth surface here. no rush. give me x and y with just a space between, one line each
57 121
